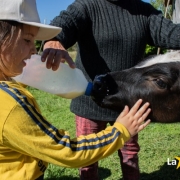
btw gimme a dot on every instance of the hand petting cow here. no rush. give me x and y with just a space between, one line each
155 80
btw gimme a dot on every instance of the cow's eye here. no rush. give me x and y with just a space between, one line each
161 83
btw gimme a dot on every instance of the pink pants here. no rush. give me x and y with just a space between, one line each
128 154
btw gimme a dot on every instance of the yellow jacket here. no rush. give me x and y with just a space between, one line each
28 142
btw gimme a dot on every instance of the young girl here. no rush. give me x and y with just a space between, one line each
28 142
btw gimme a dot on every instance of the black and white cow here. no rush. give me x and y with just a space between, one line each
156 80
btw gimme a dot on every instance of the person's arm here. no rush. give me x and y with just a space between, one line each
73 21
27 132
164 33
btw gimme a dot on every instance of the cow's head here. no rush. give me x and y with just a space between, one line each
156 80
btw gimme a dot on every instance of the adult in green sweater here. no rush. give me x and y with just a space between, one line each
111 35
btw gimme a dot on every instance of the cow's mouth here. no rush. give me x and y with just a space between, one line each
103 85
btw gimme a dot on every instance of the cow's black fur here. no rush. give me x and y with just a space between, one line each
158 84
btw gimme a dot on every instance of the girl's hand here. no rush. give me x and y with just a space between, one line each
134 118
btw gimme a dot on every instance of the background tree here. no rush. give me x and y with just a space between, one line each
38 45
163 6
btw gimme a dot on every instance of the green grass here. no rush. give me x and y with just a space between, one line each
158 142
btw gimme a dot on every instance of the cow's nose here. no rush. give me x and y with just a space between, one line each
103 85
100 84
100 88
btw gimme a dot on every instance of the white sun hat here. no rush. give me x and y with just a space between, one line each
25 11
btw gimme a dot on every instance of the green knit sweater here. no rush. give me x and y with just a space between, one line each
111 36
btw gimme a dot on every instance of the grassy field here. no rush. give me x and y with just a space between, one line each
158 143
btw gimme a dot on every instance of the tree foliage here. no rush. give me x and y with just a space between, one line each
160 5
38 45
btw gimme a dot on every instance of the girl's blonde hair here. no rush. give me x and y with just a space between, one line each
9 30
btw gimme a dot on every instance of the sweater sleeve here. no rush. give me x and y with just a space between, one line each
27 132
164 32
73 21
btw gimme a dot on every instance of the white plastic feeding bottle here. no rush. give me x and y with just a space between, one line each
65 82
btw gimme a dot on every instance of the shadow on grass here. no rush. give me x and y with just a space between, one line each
166 172
103 173
63 178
